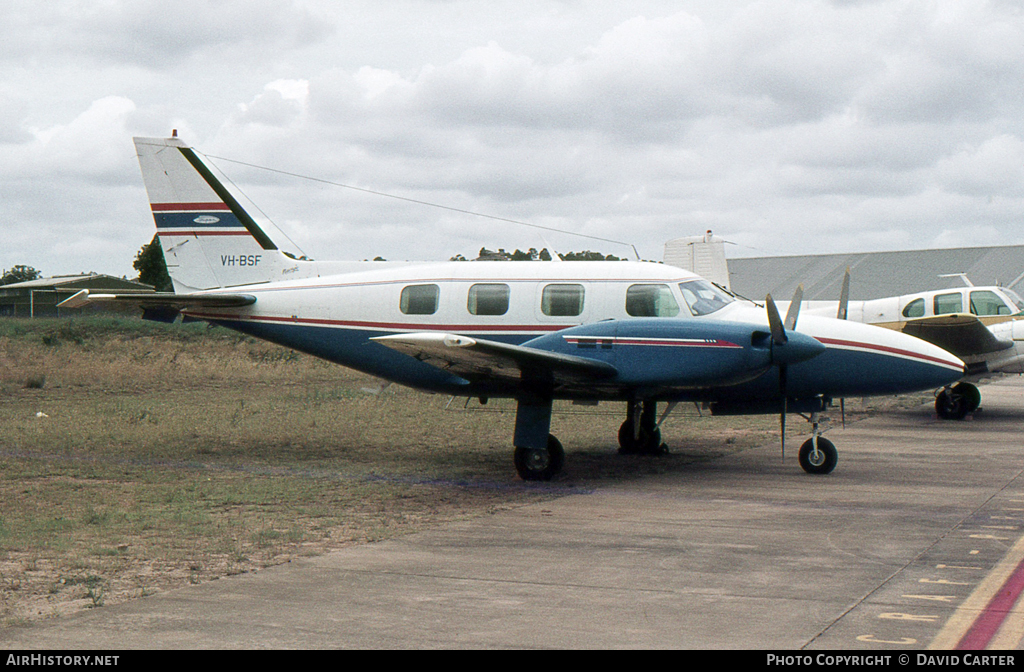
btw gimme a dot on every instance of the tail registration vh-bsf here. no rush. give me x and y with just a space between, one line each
632 332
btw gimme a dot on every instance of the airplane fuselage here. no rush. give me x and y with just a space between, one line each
998 308
335 317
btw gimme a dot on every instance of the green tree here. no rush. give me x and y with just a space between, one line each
152 268
587 255
19 273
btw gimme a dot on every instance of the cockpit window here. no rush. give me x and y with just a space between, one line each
1017 301
702 297
651 301
984 302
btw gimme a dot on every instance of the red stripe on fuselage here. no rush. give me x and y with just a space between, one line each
182 232
888 350
663 342
189 207
386 326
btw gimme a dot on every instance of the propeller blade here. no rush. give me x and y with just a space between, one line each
782 416
775 322
782 430
794 308
844 296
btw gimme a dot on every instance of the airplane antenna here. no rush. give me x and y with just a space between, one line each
224 176
419 202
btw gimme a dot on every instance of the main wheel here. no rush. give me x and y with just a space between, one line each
951 404
821 461
540 464
647 443
971 395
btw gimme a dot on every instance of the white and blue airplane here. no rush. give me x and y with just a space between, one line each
632 332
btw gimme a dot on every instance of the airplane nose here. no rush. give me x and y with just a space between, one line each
916 364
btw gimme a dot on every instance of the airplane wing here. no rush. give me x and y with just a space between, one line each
166 304
476 359
960 334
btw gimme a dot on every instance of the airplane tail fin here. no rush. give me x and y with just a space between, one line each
208 239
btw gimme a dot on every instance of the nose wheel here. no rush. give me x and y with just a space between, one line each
818 455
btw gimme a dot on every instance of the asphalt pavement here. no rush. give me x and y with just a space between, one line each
911 542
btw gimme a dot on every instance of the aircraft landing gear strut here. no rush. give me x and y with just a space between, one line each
640 434
818 455
539 456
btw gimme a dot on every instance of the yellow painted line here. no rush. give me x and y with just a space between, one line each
969 610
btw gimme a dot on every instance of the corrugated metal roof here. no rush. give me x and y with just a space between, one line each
877 274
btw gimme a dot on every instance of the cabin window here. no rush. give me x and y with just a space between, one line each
984 302
949 303
488 299
562 300
419 299
702 297
914 309
651 301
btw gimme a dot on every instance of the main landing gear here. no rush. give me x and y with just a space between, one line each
640 433
540 464
539 456
954 403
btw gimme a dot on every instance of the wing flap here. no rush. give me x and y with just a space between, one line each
479 359
961 334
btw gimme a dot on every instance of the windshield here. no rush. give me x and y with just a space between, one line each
1015 298
703 297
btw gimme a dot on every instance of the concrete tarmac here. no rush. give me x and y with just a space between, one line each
903 546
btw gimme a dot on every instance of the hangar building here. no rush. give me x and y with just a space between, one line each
873 275
39 298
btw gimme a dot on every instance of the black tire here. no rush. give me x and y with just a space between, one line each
648 443
825 460
971 395
951 405
539 464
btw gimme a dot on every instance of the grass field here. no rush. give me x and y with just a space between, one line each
137 457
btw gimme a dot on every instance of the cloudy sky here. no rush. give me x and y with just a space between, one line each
786 126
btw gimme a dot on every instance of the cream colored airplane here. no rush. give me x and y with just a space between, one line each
983 326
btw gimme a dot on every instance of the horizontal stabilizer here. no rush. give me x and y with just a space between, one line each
473 359
160 299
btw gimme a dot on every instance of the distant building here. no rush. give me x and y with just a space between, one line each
874 275
704 255
39 298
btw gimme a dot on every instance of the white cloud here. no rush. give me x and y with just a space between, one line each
789 126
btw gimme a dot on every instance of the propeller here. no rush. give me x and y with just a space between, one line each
779 341
844 305
844 296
